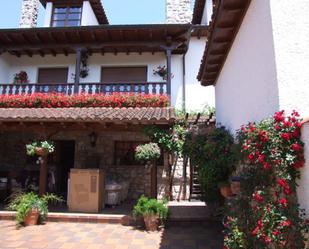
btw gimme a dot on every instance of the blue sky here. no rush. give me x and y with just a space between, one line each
118 12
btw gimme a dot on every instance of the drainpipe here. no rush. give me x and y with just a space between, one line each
184 83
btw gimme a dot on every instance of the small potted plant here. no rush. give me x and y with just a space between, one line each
153 212
30 208
42 148
162 72
21 77
225 189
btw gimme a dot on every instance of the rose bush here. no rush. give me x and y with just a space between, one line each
56 100
266 211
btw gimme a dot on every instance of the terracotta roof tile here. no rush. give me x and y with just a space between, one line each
100 114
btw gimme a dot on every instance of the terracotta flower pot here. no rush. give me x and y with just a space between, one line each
235 187
226 191
41 151
151 222
32 217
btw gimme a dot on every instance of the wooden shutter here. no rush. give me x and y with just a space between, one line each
123 74
53 75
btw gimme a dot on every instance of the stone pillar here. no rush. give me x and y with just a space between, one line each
29 14
178 11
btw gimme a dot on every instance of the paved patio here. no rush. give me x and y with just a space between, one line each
108 236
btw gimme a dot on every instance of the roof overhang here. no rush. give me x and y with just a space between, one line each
95 4
226 21
99 39
198 11
143 115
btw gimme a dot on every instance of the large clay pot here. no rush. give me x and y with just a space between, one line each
151 222
32 217
41 151
226 191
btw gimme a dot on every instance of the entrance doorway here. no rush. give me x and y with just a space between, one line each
65 154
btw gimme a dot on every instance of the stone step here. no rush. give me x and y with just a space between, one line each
189 211
78 218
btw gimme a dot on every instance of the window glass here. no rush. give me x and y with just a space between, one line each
60 10
66 16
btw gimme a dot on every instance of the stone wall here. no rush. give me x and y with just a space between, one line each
13 156
29 13
178 11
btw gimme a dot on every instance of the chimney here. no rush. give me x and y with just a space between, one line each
178 11
29 14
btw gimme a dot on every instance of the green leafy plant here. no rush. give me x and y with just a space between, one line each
147 152
171 140
22 203
215 155
147 206
266 211
32 147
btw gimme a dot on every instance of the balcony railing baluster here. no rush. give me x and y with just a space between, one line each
87 88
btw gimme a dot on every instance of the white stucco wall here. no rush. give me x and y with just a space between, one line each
303 191
246 89
4 68
88 16
197 96
290 24
12 65
207 12
48 14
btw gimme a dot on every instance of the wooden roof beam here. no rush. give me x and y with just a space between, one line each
41 53
53 52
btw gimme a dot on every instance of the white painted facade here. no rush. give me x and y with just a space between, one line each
196 95
206 18
267 70
88 16
48 14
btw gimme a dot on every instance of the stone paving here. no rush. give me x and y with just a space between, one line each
54 235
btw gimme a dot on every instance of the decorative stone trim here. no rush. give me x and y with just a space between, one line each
29 14
178 11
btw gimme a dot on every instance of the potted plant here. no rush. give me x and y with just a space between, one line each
30 208
162 72
147 152
21 77
225 189
153 212
42 148
235 184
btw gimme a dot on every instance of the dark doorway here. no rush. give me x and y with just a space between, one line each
65 153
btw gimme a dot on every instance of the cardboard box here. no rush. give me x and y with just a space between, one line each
86 192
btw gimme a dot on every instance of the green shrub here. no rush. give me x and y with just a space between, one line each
146 206
22 203
147 152
215 156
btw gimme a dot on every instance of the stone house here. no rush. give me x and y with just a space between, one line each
78 51
256 58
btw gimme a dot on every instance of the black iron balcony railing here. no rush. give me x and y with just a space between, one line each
87 88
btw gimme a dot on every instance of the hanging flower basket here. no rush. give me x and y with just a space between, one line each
41 151
42 148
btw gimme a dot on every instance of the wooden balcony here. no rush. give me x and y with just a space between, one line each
86 88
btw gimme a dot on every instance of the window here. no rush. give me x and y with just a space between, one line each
53 75
125 153
66 16
124 74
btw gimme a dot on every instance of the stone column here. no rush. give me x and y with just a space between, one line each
29 14
178 11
